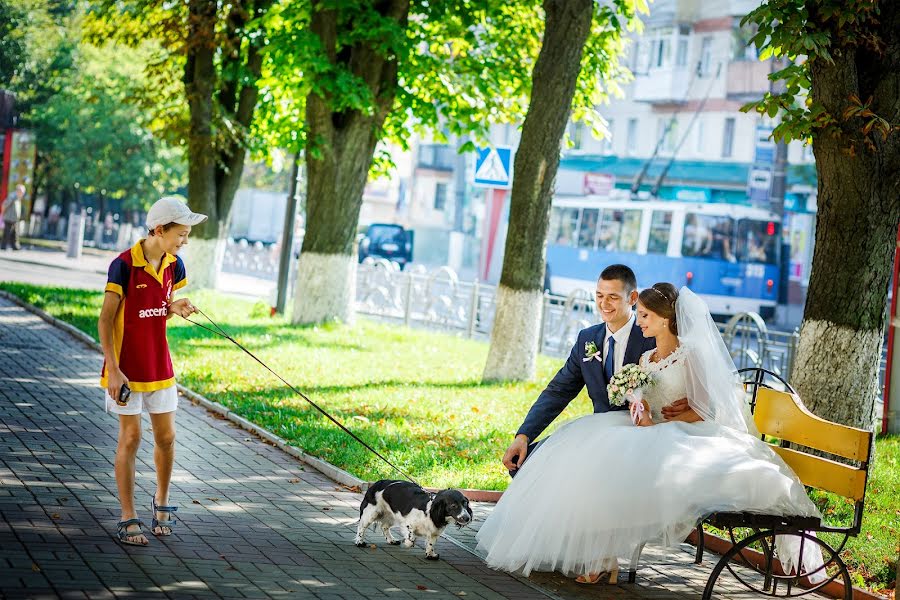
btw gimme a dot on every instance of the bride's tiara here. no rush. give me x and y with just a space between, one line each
665 297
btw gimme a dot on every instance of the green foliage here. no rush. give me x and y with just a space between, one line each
799 33
463 67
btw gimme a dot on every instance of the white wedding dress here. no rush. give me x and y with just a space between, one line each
600 486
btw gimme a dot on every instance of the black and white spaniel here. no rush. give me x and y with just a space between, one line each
414 510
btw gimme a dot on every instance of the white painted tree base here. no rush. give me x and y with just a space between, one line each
514 336
325 289
202 261
846 379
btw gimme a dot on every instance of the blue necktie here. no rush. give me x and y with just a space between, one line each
609 363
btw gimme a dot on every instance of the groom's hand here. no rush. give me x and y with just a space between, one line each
670 411
516 452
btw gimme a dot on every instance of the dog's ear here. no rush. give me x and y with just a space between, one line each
438 512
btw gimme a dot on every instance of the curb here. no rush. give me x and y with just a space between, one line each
334 473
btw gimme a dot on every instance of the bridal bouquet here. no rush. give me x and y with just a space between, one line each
627 382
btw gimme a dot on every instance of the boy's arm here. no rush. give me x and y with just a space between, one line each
115 377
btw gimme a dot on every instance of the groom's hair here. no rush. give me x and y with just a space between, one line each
621 273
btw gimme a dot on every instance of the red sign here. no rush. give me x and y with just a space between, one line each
598 184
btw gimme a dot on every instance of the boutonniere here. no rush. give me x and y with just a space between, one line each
591 352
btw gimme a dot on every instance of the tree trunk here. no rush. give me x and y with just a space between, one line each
836 367
200 84
339 151
515 334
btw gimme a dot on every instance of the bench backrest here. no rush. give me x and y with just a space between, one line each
782 415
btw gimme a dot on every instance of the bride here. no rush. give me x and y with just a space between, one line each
601 485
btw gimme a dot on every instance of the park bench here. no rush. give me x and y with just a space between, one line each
801 439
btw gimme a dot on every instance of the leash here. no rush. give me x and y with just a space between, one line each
222 333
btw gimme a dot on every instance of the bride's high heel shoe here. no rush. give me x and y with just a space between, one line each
611 572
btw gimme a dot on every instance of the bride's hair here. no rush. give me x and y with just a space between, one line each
660 299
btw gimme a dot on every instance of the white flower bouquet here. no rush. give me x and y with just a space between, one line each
627 385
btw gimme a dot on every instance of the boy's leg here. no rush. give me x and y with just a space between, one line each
164 457
129 441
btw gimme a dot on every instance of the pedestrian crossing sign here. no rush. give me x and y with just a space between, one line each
493 167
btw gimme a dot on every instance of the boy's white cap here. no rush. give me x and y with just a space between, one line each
172 210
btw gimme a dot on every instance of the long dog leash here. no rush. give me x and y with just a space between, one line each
222 333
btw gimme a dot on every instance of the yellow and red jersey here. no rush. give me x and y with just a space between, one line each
139 331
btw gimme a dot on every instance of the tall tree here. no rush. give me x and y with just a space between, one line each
377 71
515 334
218 49
843 95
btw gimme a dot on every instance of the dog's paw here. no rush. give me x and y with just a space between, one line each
432 556
408 543
395 542
360 544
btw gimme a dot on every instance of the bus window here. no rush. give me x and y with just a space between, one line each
588 229
660 228
756 241
708 236
619 230
563 222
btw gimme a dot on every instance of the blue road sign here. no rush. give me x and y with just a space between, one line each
493 167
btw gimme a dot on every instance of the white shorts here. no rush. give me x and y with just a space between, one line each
160 401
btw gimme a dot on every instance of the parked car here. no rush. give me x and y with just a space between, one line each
385 240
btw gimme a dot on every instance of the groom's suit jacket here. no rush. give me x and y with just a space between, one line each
576 374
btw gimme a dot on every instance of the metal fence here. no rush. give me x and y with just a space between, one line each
437 299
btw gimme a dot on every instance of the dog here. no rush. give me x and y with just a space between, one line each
417 512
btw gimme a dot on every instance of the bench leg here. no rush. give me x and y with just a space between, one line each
698 558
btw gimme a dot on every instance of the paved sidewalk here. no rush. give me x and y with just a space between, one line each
254 523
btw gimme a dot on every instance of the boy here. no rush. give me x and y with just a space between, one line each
137 371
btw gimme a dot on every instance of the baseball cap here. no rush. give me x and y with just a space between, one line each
172 210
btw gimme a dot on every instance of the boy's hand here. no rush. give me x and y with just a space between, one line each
516 453
114 383
182 307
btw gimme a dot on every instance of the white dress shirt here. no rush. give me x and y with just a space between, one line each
621 336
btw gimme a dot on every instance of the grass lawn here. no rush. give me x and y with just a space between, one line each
414 395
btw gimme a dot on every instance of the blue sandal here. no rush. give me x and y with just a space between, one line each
156 523
127 537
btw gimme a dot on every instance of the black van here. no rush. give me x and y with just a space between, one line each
385 240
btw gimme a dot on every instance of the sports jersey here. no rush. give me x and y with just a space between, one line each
139 330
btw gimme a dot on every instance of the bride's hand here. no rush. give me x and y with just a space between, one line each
640 414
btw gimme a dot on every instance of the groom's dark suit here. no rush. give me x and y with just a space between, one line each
576 374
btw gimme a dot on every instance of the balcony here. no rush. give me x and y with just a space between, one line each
439 157
747 80
662 86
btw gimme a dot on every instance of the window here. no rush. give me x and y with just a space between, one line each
728 138
708 237
742 48
635 53
588 230
681 52
757 240
440 196
608 139
619 230
705 57
660 229
631 141
807 155
700 142
563 223
576 135
667 134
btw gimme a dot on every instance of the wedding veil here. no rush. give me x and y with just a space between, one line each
713 386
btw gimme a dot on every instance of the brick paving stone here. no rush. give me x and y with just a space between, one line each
251 518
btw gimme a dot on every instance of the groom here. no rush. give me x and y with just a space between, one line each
618 341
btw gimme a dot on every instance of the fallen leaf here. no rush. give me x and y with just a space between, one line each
35 568
475 409
372 546
293 481
54 516
421 587
195 501
213 499
361 418
326 508
461 594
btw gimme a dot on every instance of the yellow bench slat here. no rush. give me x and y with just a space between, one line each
825 474
783 416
